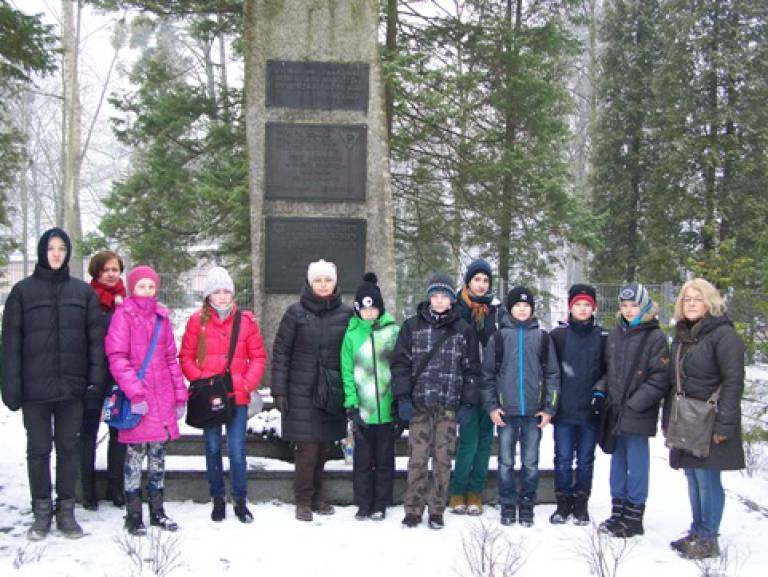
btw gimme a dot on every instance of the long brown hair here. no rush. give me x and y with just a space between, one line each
205 316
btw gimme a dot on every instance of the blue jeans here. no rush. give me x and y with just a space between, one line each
572 440
525 430
238 474
630 469
705 491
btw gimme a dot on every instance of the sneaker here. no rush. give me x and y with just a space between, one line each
219 510
379 515
474 504
362 514
322 508
436 521
241 511
508 515
411 520
458 504
304 513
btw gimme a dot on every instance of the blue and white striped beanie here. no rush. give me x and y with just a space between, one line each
441 283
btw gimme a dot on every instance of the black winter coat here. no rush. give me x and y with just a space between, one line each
53 340
642 386
451 377
310 330
712 355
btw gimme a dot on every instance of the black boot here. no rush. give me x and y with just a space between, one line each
115 465
525 512
65 519
631 522
508 514
133 522
564 509
241 510
219 509
42 509
617 511
87 456
157 516
580 508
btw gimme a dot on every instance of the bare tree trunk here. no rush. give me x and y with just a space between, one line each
223 62
70 41
210 78
389 96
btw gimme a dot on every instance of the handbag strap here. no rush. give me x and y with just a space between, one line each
233 338
151 350
424 361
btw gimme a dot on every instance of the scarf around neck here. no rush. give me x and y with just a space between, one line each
479 306
107 294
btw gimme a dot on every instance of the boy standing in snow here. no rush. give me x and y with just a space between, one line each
518 360
580 351
434 376
366 355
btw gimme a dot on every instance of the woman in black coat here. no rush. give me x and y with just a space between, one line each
53 362
708 354
310 335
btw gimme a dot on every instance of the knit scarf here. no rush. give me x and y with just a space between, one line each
479 306
107 294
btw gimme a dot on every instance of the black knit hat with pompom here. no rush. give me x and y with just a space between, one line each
368 294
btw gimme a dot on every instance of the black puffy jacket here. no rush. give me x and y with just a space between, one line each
310 329
53 339
711 355
637 376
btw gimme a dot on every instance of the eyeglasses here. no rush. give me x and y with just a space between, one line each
697 300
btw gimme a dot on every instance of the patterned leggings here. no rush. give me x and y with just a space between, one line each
134 456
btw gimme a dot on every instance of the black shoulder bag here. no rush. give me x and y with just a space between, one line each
211 400
328 395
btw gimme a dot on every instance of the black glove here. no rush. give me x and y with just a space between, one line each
598 403
354 416
281 404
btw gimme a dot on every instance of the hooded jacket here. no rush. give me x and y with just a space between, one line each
524 384
451 376
128 340
53 336
711 354
366 359
310 332
248 361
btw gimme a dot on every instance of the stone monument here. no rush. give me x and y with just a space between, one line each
317 148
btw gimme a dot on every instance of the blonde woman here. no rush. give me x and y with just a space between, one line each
708 353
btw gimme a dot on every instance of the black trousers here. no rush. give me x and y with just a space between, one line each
373 466
115 454
58 423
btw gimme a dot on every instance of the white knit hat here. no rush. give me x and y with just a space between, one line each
218 279
321 268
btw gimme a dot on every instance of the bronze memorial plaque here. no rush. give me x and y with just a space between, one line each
317 85
316 162
292 243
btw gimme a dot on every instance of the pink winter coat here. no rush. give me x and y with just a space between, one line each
249 359
127 343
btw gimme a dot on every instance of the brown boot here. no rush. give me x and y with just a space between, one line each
322 508
304 513
474 504
458 504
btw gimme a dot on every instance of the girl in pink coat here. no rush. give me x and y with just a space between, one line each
160 396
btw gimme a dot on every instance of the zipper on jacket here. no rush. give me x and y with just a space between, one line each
375 376
57 328
521 365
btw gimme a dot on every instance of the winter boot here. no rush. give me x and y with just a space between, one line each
133 523
241 510
580 508
303 513
458 504
436 521
508 514
474 504
322 508
362 514
684 541
563 510
219 509
631 522
379 514
411 520
701 548
525 514
157 516
65 519
617 511
42 509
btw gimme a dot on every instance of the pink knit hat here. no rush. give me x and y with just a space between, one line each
139 273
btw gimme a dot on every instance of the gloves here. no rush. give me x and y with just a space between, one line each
405 409
354 416
180 410
281 404
464 415
598 403
140 408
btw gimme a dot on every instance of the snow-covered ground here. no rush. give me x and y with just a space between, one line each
339 545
